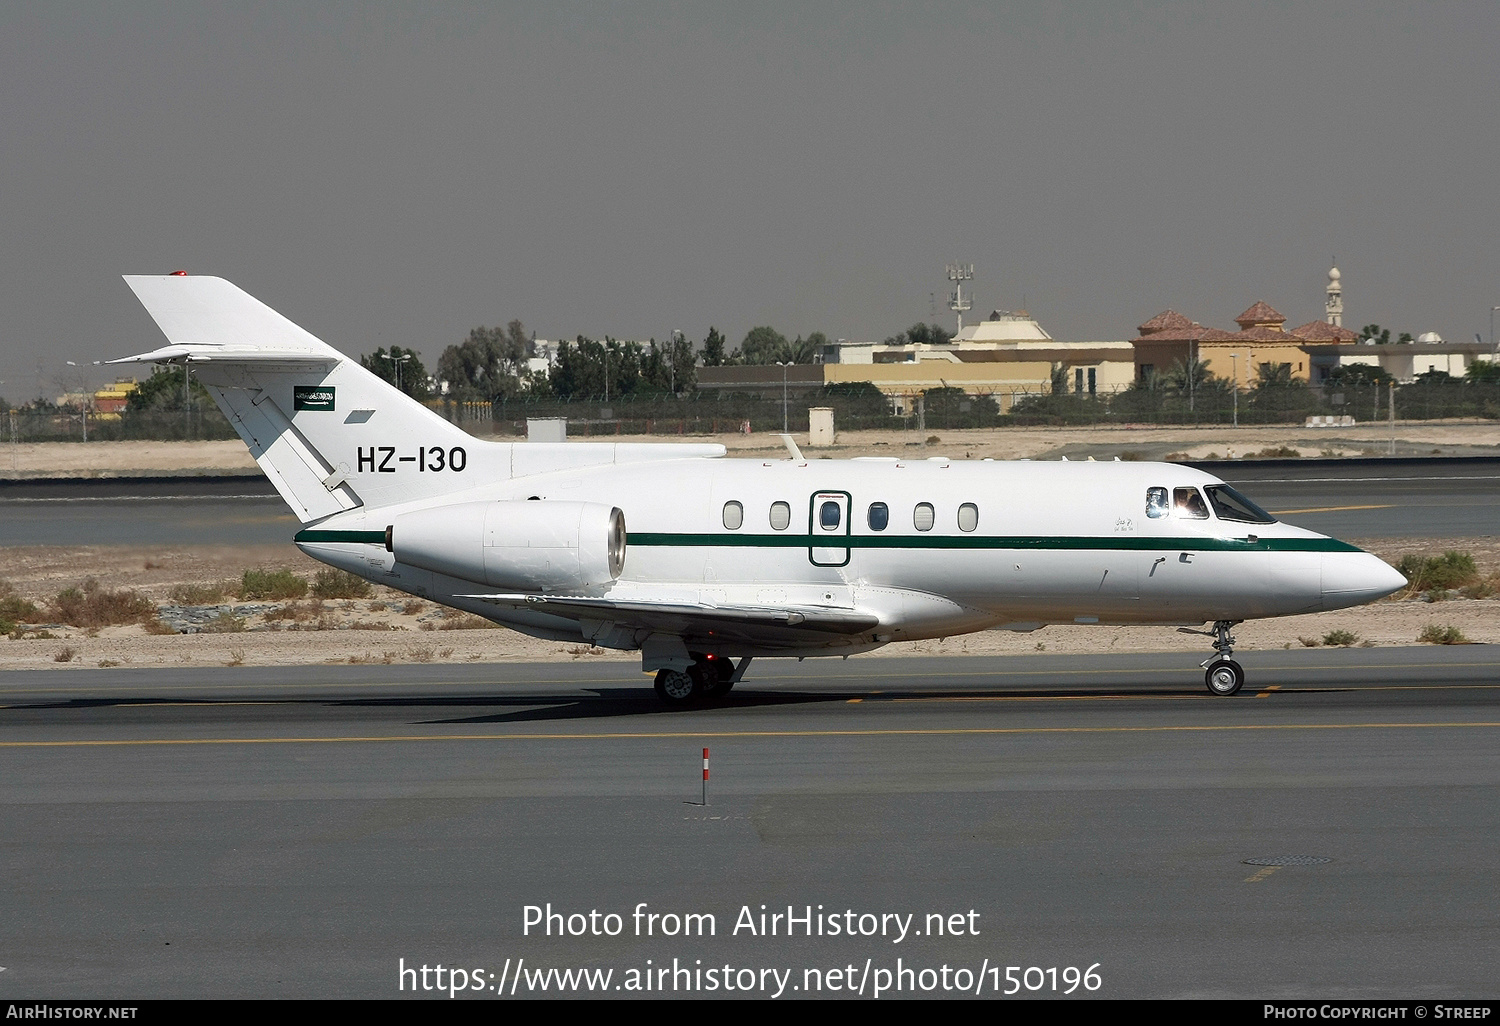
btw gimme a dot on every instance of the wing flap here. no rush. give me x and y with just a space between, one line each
689 617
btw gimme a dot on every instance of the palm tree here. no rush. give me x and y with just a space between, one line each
1273 375
1187 376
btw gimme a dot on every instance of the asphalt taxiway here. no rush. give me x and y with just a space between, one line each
258 831
1356 498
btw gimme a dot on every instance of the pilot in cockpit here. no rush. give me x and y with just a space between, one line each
1187 502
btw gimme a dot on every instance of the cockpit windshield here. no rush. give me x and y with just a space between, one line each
1231 505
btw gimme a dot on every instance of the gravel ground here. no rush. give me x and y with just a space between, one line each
392 627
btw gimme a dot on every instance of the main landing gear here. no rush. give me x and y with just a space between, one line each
709 678
1222 674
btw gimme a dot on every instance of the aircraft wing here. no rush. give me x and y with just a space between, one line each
691 618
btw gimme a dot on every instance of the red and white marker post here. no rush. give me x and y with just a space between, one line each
705 776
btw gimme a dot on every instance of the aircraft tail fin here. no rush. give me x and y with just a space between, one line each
329 435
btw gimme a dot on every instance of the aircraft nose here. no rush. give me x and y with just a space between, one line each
1354 578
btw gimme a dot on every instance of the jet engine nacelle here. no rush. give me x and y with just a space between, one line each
535 545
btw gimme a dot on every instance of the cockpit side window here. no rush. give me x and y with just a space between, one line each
1157 505
1189 504
1231 505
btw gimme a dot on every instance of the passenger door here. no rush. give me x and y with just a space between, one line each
827 522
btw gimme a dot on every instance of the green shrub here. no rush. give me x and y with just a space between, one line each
93 606
338 584
1343 638
13 608
1450 570
198 594
1433 634
271 584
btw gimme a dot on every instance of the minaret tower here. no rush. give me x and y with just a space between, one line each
1335 304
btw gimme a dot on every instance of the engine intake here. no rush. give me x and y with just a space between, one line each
536 545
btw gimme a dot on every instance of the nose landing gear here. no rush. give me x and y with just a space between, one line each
1222 674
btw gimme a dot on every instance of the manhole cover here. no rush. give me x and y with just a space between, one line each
1287 860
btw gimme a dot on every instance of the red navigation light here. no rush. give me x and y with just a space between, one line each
179 274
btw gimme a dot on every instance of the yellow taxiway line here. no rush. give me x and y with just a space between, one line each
1331 509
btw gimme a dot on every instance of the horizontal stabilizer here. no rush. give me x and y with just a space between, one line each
211 315
210 352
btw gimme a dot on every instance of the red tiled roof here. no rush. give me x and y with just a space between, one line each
1261 313
1215 335
1167 320
1264 334
1322 331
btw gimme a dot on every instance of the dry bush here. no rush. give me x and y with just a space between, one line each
462 622
93 606
1340 638
297 611
199 594
1309 642
419 655
1276 452
64 654
236 657
338 584
1176 457
105 664
413 607
366 625
271 584
224 623
1486 588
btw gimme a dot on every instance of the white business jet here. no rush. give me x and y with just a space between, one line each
697 560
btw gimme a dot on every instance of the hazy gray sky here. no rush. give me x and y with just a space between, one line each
397 174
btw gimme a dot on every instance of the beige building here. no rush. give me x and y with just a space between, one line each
1310 351
1007 355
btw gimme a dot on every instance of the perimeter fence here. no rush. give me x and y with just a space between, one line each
704 413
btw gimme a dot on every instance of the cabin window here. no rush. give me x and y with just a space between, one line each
968 517
781 516
830 514
1157 505
1189 504
922 518
734 515
1231 505
879 516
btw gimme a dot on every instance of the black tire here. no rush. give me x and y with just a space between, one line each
676 687
1225 677
715 676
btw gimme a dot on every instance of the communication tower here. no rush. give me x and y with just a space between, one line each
958 302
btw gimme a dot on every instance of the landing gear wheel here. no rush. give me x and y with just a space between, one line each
676 687
715 676
1225 677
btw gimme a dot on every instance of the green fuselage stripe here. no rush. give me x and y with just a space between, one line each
925 541
929 541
